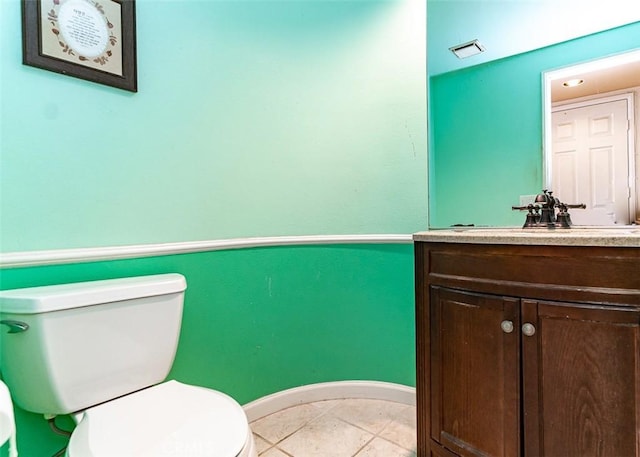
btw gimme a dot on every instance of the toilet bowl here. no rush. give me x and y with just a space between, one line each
101 351
169 419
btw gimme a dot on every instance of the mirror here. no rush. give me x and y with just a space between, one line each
592 138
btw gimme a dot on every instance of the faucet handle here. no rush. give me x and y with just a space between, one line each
563 220
532 218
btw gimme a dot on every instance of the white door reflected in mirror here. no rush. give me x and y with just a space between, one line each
591 154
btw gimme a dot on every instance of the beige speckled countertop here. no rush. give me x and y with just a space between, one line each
626 236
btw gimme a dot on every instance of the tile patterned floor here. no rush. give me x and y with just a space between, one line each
338 428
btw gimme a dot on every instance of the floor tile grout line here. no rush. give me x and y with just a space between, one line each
274 446
395 444
373 435
364 446
359 426
262 437
378 434
283 451
321 414
324 412
394 420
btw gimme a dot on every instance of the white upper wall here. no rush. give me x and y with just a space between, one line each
252 118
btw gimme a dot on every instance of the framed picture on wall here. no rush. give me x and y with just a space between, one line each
88 39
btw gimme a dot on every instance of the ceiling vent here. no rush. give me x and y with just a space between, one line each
462 51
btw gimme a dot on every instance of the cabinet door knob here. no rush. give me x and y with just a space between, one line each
528 329
507 326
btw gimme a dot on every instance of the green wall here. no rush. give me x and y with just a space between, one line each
485 134
253 118
257 321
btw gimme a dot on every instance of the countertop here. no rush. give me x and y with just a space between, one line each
623 236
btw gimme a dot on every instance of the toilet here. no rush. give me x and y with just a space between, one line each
101 351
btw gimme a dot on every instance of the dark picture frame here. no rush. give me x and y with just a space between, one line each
93 40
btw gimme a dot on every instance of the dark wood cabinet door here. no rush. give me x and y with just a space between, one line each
581 376
475 374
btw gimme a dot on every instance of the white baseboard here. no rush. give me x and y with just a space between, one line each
373 390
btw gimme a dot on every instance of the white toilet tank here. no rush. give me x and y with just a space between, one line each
89 342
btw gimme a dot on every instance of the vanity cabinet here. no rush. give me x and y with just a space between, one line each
527 350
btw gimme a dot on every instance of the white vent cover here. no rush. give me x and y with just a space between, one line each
462 51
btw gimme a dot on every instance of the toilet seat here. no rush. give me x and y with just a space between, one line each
169 419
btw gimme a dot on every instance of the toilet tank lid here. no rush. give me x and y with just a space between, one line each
33 300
